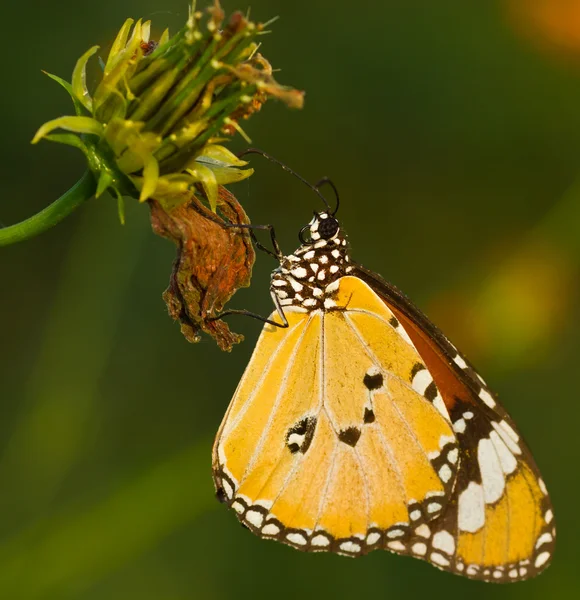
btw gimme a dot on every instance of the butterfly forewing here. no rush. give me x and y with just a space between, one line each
330 442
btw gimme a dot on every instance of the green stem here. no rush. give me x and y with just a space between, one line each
52 214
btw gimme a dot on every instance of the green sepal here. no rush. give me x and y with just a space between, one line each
70 139
105 180
118 46
79 79
76 124
208 180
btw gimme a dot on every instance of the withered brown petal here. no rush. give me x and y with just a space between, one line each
212 263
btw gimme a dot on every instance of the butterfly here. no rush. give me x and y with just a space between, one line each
358 425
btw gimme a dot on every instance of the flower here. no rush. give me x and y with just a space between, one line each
155 124
154 128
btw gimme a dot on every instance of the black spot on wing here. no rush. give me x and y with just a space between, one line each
394 322
349 436
373 382
221 495
416 368
431 392
299 437
369 416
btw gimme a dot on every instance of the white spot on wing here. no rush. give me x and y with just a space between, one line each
373 537
296 285
440 406
459 426
506 458
332 287
446 439
255 518
399 546
459 361
423 531
439 559
299 272
421 380
403 333
471 512
491 471
541 559
395 533
545 538
434 507
229 492
487 398
443 540
509 430
453 455
320 540
350 546
420 548
509 442
296 538
445 473
270 529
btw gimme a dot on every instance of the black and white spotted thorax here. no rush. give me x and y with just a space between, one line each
307 279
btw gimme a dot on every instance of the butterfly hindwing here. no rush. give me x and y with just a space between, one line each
334 440
499 523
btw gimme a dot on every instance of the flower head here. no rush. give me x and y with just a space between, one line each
155 124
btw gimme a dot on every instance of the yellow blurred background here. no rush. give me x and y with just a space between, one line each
452 130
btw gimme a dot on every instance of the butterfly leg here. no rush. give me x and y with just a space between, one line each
277 253
247 313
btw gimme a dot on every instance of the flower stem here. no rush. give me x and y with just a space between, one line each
83 189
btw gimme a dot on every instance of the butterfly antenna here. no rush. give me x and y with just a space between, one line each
328 181
289 170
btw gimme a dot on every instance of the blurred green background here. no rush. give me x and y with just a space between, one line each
452 130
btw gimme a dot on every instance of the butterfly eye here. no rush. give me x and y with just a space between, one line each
301 235
328 227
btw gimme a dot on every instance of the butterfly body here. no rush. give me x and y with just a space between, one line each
357 425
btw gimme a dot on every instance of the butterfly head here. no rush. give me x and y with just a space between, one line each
324 226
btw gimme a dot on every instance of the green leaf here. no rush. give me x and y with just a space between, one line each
76 124
79 79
